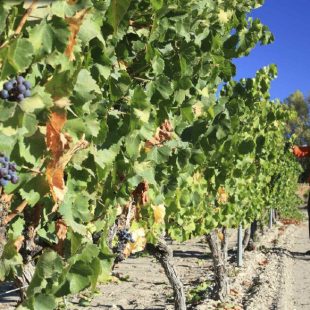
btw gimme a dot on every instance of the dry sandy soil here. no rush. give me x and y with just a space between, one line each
274 276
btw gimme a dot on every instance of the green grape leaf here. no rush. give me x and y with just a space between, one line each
16 57
42 36
117 11
44 302
246 146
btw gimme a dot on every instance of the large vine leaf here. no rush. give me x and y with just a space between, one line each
16 57
116 12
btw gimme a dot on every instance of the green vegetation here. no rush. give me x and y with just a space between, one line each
125 129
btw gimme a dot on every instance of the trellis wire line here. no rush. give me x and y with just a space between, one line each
11 291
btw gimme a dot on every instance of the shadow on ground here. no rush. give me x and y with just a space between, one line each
291 254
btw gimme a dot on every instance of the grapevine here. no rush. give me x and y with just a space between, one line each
127 126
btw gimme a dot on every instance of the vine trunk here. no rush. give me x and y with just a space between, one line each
163 254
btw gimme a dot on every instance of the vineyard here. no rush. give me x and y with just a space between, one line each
123 129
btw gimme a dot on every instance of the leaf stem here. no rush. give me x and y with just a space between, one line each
141 79
32 170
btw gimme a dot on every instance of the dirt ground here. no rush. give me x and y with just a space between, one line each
296 266
274 276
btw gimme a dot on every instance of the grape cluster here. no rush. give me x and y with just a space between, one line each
7 171
96 236
16 89
125 236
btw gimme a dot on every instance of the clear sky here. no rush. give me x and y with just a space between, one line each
289 21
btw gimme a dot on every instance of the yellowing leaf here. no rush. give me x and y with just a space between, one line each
276 124
222 195
139 244
220 235
205 92
142 115
197 108
197 177
63 102
19 242
159 213
224 16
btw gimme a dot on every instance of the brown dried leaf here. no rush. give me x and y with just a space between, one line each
163 134
15 212
55 178
55 170
222 195
290 222
58 142
61 233
54 141
140 193
264 262
75 23
61 229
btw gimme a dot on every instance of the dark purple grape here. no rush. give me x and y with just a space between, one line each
20 97
3 182
4 171
8 86
7 171
5 165
4 94
12 167
27 93
125 235
21 88
20 79
27 84
14 179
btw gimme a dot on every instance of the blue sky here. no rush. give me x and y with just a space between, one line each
289 21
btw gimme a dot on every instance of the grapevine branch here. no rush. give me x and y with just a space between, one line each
25 17
22 22
17 211
36 171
